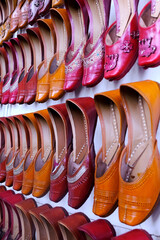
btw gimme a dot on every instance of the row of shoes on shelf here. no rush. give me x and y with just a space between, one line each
54 150
23 219
67 53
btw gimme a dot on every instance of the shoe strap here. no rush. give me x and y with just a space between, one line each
7 136
62 29
46 133
37 46
35 215
71 224
62 130
12 57
23 208
34 134
50 220
27 51
14 133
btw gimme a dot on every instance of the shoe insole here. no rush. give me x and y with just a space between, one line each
80 133
67 235
110 125
10 57
15 226
139 135
3 69
14 132
50 232
19 54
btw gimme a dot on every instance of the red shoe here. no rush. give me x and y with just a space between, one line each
80 174
61 125
93 63
137 234
74 54
121 52
149 38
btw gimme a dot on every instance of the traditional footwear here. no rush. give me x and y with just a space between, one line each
48 38
23 208
93 62
28 167
21 154
39 227
139 171
63 137
56 71
23 17
80 174
69 226
149 38
5 149
113 124
50 220
27 53
31 81
44 157
45 8
137 234
14 23
78 15
98 230
57 3
34 7
4 69
121 41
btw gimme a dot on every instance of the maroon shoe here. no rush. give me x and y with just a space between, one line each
149 38
80 174
93 63
74 54
62 129
137 234
100 229
122 54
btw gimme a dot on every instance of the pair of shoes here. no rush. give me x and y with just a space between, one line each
128 174
149 21
121 40
84 60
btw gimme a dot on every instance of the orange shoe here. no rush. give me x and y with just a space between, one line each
113 123
44 157
56 72
139 171
48 38
28 169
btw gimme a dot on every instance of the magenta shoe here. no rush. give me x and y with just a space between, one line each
14 87
6 89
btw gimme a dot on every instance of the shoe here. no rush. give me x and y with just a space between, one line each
113 124
48 37
57 3
34 139
14 23
31 81
23 208
78 16
34 7
139 170
69 226
80 173
21 153
63 135
45 8
100 229
50 220
56 70
44 157
38 224
121 41
23 17
4 69
93 62
138 234
149 35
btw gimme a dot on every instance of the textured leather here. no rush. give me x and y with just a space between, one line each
63 138
23 208
122 54
100 229
15 17
69 226
44 157
138 234
28 168
50 220
113 127
80 173
56 71
149 53
48 37
23 17
139 185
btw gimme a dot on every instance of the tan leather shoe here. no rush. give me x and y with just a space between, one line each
139 171
44 157
113 124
